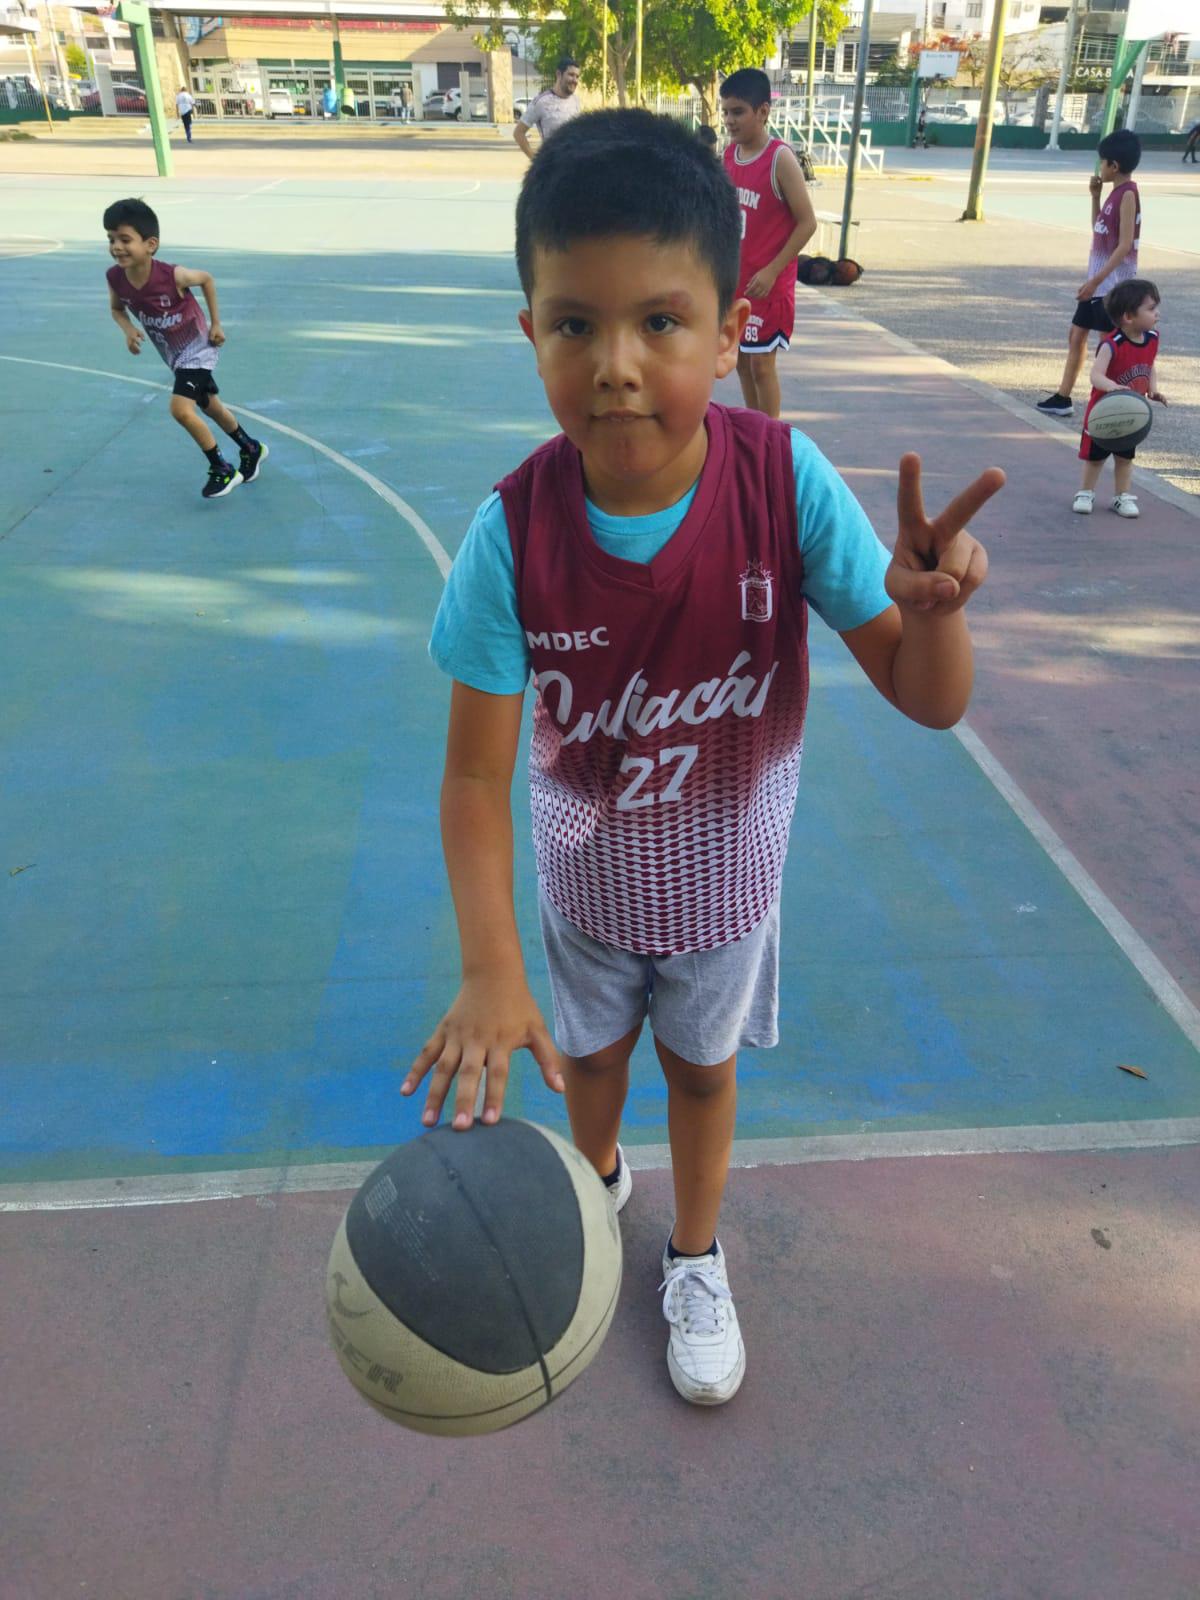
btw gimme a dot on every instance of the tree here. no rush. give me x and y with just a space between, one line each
896 73
685 42
77 61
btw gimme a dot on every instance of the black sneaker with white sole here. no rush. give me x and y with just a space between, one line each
221 480
1056 405
251 460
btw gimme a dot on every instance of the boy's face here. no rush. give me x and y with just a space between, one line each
127 247
629 345
1109 170
744 123
1144 318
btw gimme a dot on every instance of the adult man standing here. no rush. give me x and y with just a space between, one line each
185 106
550 109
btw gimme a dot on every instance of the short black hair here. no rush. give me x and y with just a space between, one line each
629 173
135 214
565 64
750 84
1123 147
1127 297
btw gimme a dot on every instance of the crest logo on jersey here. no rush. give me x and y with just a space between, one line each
758 593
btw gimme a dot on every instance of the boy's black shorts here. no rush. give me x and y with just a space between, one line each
1091 314
195 383
1097 452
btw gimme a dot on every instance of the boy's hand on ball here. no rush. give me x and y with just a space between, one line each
490 1018
937 566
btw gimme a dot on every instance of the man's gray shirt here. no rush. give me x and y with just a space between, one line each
548 111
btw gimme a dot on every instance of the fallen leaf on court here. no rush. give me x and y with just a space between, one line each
1137 1071
12 871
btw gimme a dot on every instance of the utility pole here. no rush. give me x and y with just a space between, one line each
1068 64
604 50
637 55
812 54
860 84
983 133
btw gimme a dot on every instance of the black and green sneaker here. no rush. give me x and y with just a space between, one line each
252 459
221 479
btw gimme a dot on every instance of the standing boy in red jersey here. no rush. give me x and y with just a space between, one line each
1125 360
653 566
160 296
777 222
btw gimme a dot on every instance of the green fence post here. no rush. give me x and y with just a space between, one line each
137 17
1128 50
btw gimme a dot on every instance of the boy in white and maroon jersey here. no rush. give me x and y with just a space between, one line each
160 296
1116 232
777 221
1125 360
652 566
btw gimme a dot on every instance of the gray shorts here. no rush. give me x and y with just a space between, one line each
704 1007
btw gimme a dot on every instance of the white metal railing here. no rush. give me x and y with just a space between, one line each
833 127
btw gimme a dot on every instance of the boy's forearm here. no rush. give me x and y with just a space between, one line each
477 842
933 669
209 290
795 242
121 318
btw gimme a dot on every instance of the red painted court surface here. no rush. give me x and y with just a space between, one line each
969 1291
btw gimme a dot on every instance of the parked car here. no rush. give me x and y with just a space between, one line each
447 105
950 113
521 106
280 103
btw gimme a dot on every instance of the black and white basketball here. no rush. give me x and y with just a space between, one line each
473 1277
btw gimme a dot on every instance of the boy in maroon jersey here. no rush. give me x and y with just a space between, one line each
1116 232
653 566
777 222
160 297
1125 360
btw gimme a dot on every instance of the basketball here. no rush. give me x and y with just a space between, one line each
473 1277
1120 420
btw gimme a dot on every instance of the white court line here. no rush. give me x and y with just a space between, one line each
32 238
415 521
172 1189
103 1194
249 195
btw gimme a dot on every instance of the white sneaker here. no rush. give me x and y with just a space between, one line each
1083 502
620 1191
705 1356
1125 505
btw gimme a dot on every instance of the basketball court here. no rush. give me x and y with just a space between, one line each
962 1238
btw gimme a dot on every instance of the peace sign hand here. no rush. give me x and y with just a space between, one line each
937 566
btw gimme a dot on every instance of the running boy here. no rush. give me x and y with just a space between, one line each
777 222
160 297
1116 229
1125 360
653 566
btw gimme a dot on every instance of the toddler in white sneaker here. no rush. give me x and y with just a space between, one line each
1124 360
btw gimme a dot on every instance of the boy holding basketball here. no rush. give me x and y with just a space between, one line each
160 297
777 221
1125 360
653 567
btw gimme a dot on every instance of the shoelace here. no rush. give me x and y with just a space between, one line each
694 1297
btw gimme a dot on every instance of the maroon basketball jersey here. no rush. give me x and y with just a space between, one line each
1131 365
173 319
670 695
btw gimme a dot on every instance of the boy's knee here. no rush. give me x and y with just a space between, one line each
764 364
699 1083
613 1058
182 408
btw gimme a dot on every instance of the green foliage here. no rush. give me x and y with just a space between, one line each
77 61
896 72
684 42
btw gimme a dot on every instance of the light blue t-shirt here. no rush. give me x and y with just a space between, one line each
478 637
